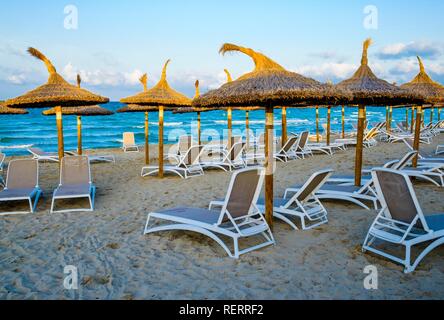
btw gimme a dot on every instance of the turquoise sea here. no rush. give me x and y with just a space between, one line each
18 132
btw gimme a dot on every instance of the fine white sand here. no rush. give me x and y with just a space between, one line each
116 261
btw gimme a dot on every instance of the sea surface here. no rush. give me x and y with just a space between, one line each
18 132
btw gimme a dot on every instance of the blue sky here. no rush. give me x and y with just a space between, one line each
118 40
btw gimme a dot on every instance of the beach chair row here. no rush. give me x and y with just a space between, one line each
22 184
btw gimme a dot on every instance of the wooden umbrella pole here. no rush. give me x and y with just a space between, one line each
161 142
328 125
198 129
432 111
390 116
412 122
269 141
59 121
317 125
406 118
247 127
387 119
416 142
79 135
359 146
439 114
230 126
147 143
284 126
343 122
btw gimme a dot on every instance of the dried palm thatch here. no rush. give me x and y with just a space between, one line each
269 84
424 85
160 95
81 111
182 110
56 92
139 108
7 110
368 89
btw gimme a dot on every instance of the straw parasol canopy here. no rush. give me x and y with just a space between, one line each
368 89
142 108
424 85
56 92
191 109
163 97
139 108
268 84
81 111
6 110
160 95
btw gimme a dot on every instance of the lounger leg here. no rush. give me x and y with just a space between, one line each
285 219
425 253
236 248
91 198
52 204
36 200
407 259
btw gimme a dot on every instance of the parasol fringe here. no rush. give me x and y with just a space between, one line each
37 54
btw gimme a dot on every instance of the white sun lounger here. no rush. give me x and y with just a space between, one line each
301 150
75 183
238 219
22 184
97 157
304 205
2 159
129 142
423 159
394 164
287 152
401 220
188 165
40 155
231 160
350 193
183 145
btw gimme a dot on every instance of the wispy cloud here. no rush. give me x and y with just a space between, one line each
403 50
327 71
17 79
100 77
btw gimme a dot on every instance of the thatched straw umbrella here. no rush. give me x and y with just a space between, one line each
367 90
433 92
79 112
163 97
145 109
55 93
268 85
197 110
4 110
247 120
229 113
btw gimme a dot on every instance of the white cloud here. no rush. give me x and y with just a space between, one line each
327 71
17 79
411 49
100 77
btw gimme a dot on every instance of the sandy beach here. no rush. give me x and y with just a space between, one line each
116 261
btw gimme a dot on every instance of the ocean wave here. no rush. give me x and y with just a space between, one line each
20 146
